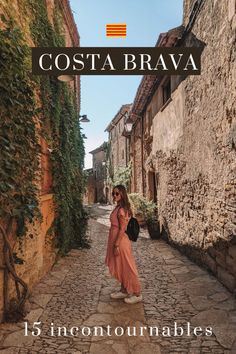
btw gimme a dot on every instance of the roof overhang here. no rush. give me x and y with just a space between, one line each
149 83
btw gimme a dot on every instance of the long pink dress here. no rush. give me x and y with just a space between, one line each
122 267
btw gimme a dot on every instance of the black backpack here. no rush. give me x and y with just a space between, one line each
133 229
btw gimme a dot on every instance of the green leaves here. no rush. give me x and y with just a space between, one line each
60 129
3 18
17 260
18 141
58 115
141 205
122 175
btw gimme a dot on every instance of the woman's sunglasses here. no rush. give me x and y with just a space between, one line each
115 194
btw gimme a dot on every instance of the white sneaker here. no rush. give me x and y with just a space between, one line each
133 299
118 295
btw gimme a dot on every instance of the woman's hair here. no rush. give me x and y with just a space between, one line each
124 202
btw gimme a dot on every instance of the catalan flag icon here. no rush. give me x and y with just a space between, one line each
116 30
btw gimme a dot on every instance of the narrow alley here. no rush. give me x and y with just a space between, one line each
76 294
126 103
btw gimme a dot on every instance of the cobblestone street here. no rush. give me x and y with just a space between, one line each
76 294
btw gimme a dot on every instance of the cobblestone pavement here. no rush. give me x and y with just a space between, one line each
76 294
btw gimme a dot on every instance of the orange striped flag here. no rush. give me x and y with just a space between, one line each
116 30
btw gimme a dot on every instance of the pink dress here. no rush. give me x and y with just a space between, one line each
122 267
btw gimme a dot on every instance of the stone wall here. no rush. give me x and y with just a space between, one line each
118 145
167 126
89 195
136 159
35 250
119 149
194 148
99 175
187 6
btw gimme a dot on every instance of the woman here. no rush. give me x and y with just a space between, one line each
119 257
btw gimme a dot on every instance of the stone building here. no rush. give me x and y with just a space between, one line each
118 143
89 193
100 190
39 254
153 96
183 140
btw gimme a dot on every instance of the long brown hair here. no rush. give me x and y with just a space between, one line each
124 201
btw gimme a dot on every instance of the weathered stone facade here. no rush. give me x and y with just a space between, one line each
191 144
36 249
136 155
89 193
151 98
118 145
100 189
119 149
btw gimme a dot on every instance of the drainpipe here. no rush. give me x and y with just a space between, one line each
142 129
126 152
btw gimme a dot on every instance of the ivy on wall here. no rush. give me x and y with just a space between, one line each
18 142
122 176
28 102
18 157
63 133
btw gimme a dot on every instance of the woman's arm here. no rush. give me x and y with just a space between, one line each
123 222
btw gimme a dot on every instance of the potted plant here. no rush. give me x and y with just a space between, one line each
136 201
150 215
146 213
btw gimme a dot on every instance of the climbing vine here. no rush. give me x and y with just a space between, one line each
63 134
18 142
122 175
28 102
18 158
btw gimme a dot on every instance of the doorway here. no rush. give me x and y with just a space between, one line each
96 195
152 181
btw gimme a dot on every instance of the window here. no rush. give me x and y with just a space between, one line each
95 170
152 186
123 154
166 90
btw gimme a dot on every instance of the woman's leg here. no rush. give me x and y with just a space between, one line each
122 289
